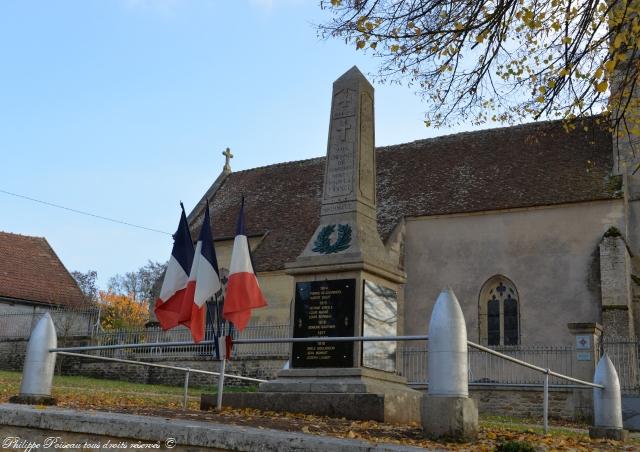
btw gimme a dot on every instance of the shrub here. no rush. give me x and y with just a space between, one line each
515 446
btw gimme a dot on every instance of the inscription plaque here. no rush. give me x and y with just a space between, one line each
344 103
340 169
324 308
584 356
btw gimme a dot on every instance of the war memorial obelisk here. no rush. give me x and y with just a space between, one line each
346 284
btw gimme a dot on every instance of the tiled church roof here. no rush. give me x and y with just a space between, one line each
31 271
529 165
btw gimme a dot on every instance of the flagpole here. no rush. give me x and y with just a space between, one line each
223 362
221 383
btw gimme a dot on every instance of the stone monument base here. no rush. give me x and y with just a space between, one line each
450 417
352 393
617 434
33 400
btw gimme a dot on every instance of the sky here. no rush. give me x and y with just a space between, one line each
122 108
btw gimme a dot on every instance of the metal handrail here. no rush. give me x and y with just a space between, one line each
244 341
329 339
532 366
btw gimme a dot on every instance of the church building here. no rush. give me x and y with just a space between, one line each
529 225
535 228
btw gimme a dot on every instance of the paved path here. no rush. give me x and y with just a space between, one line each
36 424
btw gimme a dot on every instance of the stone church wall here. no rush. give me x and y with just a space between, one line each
550 253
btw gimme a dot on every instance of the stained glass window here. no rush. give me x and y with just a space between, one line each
493 319
499 316
510 321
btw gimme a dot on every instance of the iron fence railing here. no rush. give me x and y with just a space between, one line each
625 358
410 362
486 368
182 334
68 322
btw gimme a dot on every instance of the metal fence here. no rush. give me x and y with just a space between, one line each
68 322
182 334
411 363
485 368
624 355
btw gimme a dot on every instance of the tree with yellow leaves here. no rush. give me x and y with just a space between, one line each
122 311
503 60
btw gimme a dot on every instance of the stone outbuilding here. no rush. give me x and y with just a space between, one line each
33 278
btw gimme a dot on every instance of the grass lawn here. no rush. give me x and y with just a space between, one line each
88 392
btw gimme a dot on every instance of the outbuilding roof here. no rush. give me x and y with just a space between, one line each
31 271
529 165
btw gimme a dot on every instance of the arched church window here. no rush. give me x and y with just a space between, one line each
499 319
493 321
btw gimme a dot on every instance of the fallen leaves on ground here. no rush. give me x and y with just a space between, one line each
377 432
491 433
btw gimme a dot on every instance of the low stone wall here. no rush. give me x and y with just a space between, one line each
570 404
12 353
263 368
573 404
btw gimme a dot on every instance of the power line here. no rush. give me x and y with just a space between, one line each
81 212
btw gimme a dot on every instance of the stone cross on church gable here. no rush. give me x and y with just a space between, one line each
228 156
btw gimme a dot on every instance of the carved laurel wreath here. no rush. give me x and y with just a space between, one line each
323 244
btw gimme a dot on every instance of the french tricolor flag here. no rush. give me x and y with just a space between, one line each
171 308
243 292
204 281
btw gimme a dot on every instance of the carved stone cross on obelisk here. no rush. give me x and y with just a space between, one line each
348 215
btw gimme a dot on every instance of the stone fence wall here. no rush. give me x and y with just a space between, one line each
526 402
262 368
572 404
12 352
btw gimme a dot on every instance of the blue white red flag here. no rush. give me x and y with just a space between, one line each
204 281
171 308
243 291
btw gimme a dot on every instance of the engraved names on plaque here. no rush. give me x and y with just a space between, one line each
324 308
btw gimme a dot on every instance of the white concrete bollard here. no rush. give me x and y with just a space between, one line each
607 402
446 410
39 363
448 365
